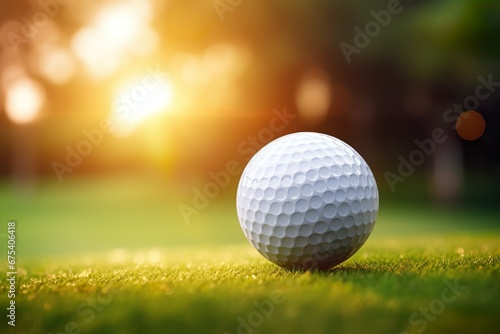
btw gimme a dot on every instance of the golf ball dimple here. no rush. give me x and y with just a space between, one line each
307 200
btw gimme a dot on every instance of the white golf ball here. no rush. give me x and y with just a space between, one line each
307 201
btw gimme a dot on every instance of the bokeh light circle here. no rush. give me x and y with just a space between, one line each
470 125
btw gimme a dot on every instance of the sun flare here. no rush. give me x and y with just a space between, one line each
139 100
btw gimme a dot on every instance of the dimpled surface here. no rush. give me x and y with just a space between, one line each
307 200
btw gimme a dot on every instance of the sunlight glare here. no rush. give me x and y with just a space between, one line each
135 103
119 24
115 34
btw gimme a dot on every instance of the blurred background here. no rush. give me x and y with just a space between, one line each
137 116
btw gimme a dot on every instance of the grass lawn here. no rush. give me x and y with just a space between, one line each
122 260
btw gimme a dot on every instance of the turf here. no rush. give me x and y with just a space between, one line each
422 270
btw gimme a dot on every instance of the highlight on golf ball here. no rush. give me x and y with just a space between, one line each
307 201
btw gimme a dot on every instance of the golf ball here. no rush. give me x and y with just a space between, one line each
307 201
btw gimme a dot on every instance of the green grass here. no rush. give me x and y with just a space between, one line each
122 260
